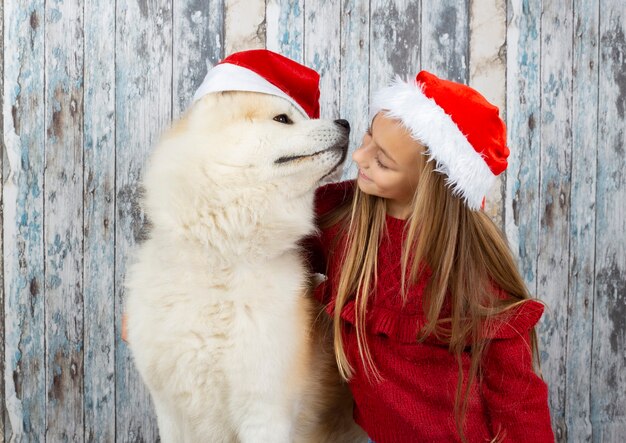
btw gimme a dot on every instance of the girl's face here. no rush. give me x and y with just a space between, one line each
389 162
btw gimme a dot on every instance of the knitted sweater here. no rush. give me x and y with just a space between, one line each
415 400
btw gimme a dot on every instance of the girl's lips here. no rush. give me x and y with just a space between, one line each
364 177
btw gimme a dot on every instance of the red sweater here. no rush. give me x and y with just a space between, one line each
415 400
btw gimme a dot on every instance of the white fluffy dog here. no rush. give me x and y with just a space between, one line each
220 324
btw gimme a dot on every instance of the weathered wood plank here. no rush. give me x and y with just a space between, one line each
587 395
244 25
143 99
63 225
582 220
487 50
487 73
354 75
285 28
521 216
24 135
554 197
98 223
2 402
394 41
198 30
608 378
322 51
445 39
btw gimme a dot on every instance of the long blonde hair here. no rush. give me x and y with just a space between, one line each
468 255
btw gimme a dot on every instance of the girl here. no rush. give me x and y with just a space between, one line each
434 326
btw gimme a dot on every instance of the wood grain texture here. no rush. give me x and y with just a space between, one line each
63 220
284 22
322 21
608 377
445 39
394 41
99 222
487 73
143 101
244 25
582 221
95 83
198 34
354 75
554 197
521 214
487 49
2 397
23 193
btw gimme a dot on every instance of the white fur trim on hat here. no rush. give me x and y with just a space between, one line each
467 173
229 77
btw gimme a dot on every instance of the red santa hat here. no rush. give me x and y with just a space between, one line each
462 131
260 70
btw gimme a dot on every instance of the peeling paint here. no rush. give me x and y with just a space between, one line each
124 104
612 282
614 47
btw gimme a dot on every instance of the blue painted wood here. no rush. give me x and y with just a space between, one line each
2 403
284 22
554 197
564 217
394 41
63 220
521 216
322 51
98 223
198 31
445 38
23 194
143 103
354 75
608 377
582 221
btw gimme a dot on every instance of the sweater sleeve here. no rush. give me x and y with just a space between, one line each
516 397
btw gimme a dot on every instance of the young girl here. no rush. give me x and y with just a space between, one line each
434 326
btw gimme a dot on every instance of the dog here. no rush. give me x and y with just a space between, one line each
222 326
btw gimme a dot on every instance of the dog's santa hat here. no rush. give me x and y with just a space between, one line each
462 131
260 70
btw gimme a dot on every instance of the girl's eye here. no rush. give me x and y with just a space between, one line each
380 164
283 118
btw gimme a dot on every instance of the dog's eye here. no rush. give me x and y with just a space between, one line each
283 118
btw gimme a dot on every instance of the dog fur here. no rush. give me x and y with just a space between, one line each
222 327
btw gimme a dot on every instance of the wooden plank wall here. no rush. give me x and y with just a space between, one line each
23 220
99 222
608 369
1 237
87 86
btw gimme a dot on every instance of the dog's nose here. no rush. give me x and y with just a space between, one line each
343 123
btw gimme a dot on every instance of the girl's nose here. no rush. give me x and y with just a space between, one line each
358 156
